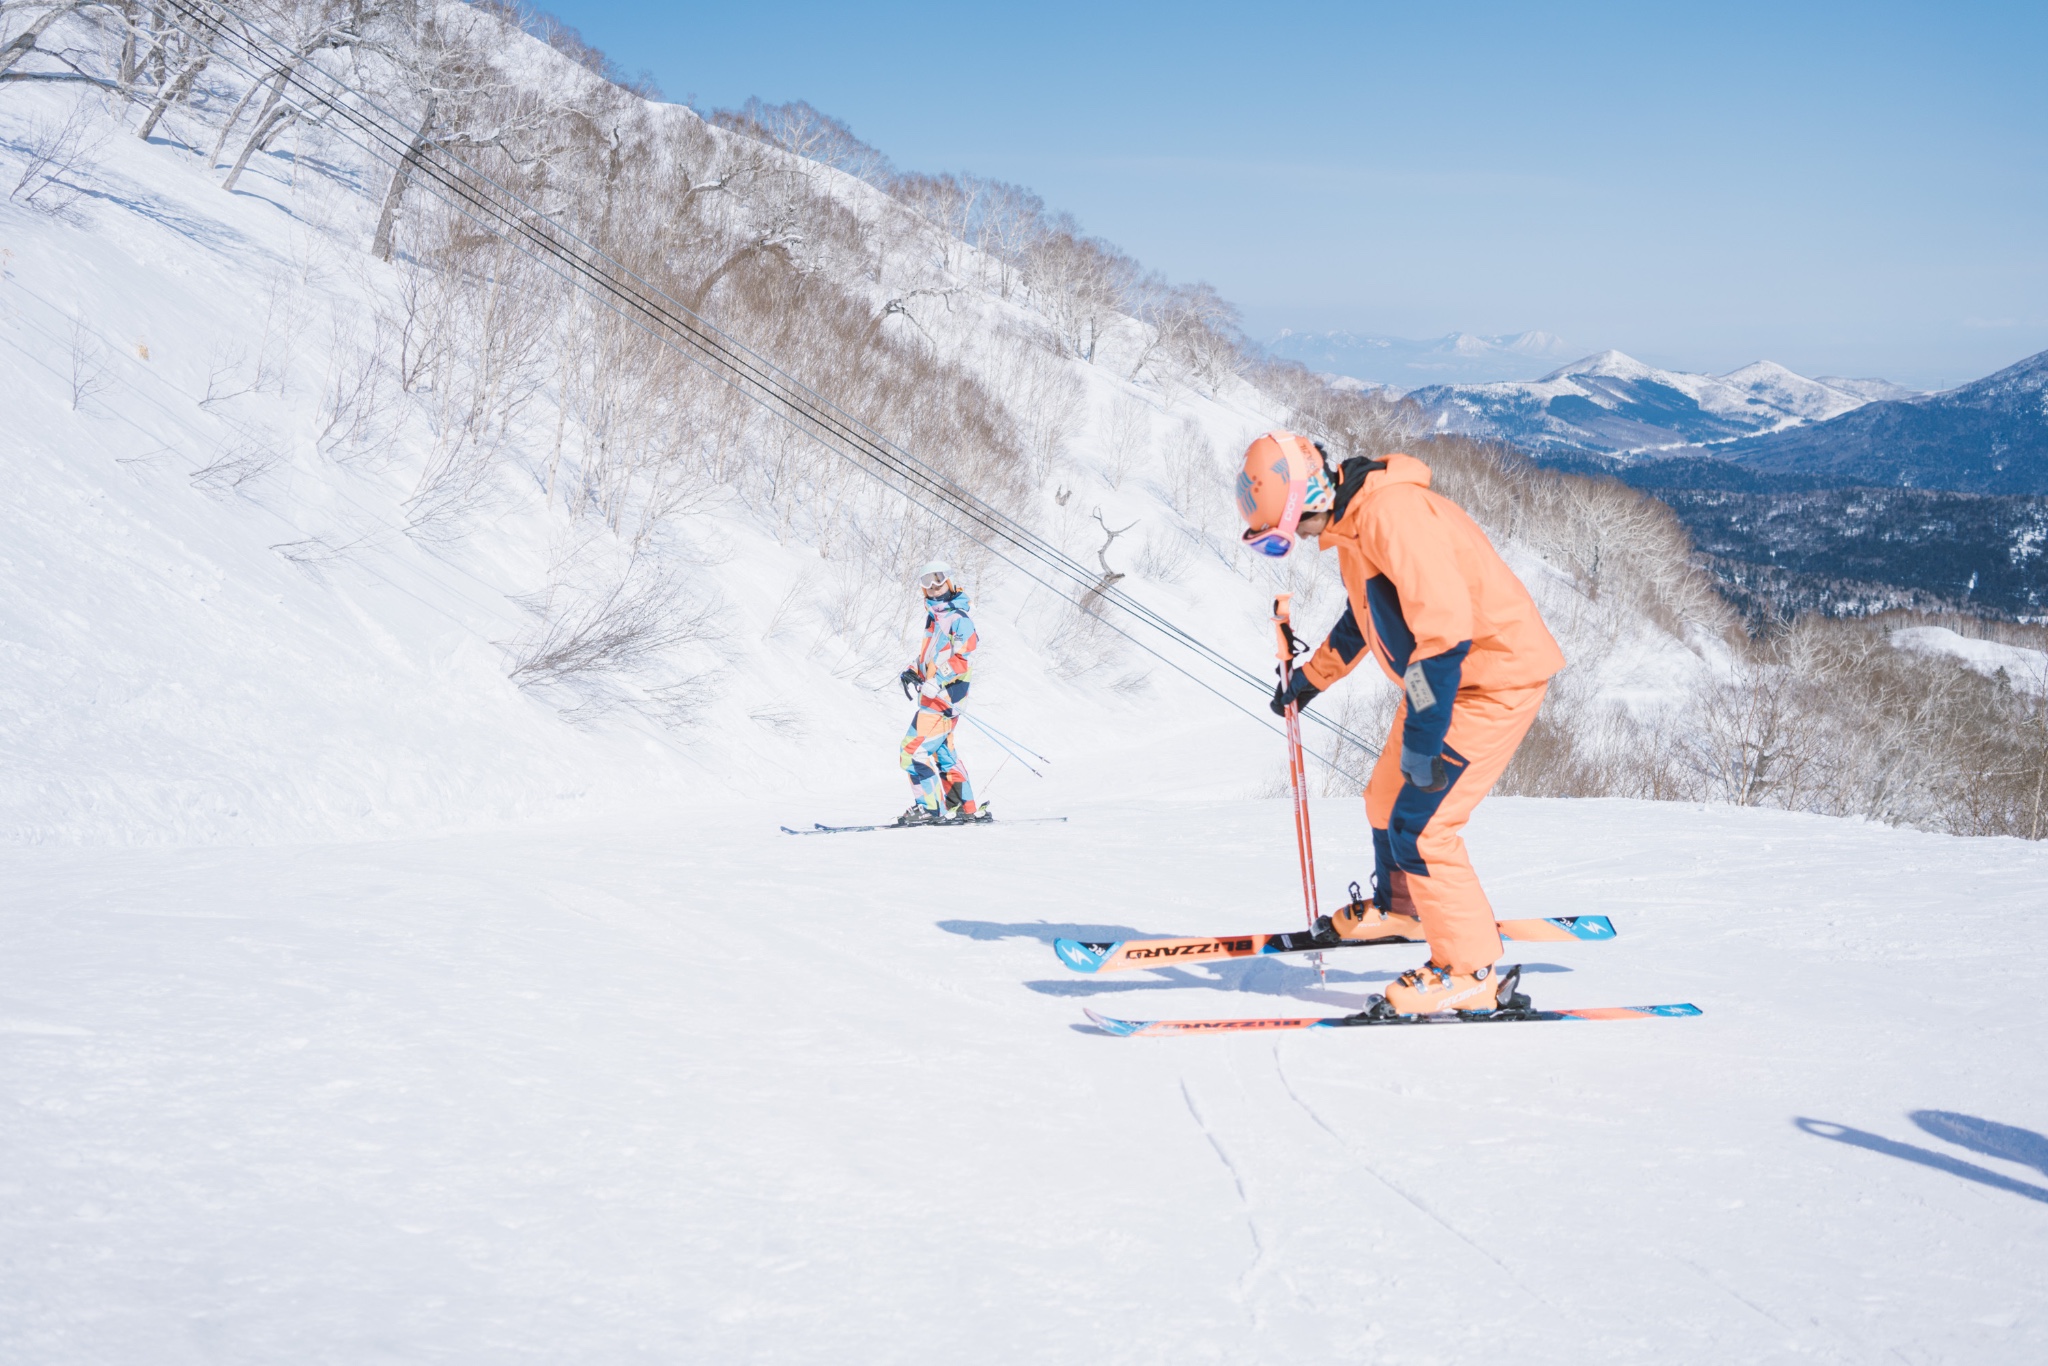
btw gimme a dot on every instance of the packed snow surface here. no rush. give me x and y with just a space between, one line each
700 1091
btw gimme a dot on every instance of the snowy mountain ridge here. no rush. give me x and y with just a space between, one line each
1613 404
1989 436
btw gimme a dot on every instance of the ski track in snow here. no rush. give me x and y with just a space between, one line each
1251 1222
1352 1151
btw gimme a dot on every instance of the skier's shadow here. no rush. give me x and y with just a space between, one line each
1044 932
1985 1136
1299 985
1295 978
2005 1141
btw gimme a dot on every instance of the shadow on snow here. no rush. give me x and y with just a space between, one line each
1978 1135
1259 976
1043 931
1985 1136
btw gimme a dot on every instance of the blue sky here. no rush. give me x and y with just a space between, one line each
1857 190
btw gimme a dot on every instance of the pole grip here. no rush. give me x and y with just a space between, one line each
1283 636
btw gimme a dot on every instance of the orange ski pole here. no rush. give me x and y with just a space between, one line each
1297 771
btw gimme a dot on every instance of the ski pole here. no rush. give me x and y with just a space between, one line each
1297 771
1011 738
990 785
997 736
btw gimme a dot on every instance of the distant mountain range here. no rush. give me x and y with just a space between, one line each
1990 436
1941 497
1842 496
1831 495
1405 363
1612 405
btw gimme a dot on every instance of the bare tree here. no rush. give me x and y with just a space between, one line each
401 176
613 631
24 42
1129 438
1191 326
1109 535
249 458
87 371
321 27
801 130
55 150
1192 480
195 55
1080 284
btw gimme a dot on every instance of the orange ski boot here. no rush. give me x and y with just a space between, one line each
1361 922
1365 922
1431 990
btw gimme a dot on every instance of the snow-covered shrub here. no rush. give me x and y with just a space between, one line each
1192 478
55 152
606 632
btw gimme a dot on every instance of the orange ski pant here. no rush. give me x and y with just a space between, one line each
1417 845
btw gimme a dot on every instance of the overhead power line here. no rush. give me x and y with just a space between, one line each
240 43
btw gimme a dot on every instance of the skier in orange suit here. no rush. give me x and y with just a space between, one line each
1450 623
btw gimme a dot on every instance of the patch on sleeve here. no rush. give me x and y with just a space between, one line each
1420 696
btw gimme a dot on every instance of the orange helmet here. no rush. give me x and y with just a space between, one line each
1283 477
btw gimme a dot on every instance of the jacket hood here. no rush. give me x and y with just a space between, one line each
1360 477
1404 469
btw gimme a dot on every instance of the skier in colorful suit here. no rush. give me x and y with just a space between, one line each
940 676
1449 622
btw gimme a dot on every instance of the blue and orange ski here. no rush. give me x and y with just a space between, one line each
1128 1028
819 828
1084 956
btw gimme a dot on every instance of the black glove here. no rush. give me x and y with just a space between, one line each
911 680
1296 689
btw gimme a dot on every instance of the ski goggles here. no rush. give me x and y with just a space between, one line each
1277 540
930 581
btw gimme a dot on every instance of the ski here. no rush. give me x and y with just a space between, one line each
1128 1028
1084 956
819 828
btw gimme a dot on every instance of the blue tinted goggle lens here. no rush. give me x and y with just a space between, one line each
1272 543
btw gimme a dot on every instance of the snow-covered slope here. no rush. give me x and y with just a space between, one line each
220 623
1869 390
2023 668
564 1096
1613 404
213 628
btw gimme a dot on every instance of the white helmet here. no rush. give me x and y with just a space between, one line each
934 574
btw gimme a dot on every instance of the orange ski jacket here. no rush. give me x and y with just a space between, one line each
1427 591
